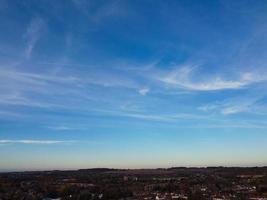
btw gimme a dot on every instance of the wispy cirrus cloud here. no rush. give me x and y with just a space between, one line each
225 109
64 128
186 78
17 87
96 13
159 117
36 141
32 35
9 114
144 91
19 100
246 103
74 78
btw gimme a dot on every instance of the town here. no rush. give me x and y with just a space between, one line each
211 183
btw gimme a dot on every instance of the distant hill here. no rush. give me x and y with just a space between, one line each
98 170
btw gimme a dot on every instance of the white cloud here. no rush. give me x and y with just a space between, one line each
17 87
144 91
18 100
34 141
234 109
32 35
183 78
233 105
225 108
174 117
9 114
64 128
101 12
208 107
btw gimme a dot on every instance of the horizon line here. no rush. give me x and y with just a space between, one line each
111 168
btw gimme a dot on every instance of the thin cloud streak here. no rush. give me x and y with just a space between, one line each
64 128
155 117
230 106
17 87
144 91
32 35
183 78
36 141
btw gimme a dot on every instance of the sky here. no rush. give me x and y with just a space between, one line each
132 83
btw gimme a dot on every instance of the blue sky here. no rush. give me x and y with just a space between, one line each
132 84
